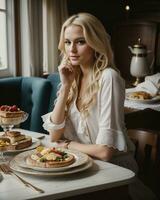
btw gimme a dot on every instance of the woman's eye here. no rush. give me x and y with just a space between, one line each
81 42
67 42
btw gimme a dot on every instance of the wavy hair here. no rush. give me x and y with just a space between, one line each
98 39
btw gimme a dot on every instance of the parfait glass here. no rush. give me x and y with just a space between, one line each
7 126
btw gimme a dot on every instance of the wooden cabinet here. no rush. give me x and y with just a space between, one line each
126 34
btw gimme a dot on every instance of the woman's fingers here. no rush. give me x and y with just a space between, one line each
67 71
61 143
66 63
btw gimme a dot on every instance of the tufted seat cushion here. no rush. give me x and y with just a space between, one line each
31 94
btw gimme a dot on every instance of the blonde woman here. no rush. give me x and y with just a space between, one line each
89 109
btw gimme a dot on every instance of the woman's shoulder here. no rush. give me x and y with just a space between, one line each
111 73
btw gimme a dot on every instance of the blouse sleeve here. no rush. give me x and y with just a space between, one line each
111 111
49 125
69 131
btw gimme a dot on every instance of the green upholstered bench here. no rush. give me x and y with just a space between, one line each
55 81
31 94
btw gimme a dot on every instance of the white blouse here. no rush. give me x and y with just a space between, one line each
105 123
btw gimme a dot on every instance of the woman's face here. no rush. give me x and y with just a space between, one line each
76 48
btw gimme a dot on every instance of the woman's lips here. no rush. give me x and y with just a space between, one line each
74 57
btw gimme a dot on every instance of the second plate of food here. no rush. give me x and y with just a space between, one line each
142 97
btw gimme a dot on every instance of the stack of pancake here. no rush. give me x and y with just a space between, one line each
16 140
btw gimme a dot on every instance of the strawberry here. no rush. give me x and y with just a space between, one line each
13 108
4 108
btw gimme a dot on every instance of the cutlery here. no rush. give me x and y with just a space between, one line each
7 170
41 137
1 177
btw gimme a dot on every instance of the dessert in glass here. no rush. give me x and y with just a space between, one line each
9 117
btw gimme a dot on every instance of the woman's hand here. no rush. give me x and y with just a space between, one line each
67 72
62 143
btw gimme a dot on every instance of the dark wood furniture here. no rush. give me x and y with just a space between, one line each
127 34
142 119
147 155
146 145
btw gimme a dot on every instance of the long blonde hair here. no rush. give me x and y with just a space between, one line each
98 39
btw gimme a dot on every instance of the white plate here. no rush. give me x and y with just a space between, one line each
14 166
80 159
146 101
35 143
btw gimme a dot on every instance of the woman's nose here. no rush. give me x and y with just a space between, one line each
73 47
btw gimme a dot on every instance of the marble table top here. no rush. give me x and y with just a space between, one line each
101 176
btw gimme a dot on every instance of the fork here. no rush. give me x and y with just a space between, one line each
7 170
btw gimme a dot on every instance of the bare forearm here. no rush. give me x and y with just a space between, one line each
58 113
101 152
67 76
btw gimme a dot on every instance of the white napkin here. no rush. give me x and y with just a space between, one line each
150 85
155 79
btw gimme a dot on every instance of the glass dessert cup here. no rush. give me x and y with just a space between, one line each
7 126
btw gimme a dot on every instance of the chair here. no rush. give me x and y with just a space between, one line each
146 142
147 156
55 80
31 94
